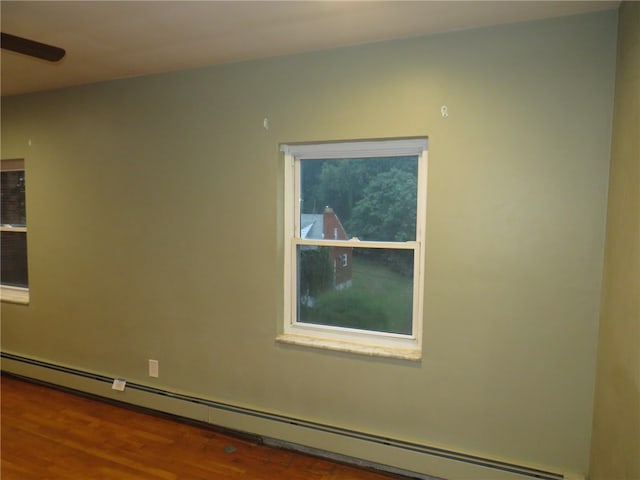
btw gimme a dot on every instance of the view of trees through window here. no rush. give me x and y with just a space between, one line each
373 200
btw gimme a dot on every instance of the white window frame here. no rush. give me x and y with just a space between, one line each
408 347
9 293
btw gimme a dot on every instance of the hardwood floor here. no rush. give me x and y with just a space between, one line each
51 434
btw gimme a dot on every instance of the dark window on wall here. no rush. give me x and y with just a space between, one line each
13 224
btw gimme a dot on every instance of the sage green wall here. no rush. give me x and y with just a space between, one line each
154 207
616 427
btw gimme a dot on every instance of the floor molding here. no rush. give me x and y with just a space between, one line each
280 430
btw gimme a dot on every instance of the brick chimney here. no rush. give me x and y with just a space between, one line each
332 228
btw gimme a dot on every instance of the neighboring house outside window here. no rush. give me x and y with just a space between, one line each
327 226
14 278
354 272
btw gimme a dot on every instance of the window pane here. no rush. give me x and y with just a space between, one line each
14 259
13 203
373 199
363 288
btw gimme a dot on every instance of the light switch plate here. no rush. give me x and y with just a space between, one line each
153 368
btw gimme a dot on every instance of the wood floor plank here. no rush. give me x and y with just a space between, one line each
51 434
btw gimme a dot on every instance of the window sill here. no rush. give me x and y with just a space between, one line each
351 347
14 295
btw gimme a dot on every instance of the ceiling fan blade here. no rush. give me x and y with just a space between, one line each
31 48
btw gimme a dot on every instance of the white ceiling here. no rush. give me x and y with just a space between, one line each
105 40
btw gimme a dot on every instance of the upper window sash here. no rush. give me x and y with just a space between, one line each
12 165
403 147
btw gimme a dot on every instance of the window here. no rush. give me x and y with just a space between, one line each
354 246
14 278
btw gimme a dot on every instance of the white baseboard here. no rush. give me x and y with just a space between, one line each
361 448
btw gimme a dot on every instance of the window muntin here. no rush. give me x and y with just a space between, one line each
14 280
355 248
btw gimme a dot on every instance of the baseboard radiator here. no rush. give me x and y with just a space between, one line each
53 374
